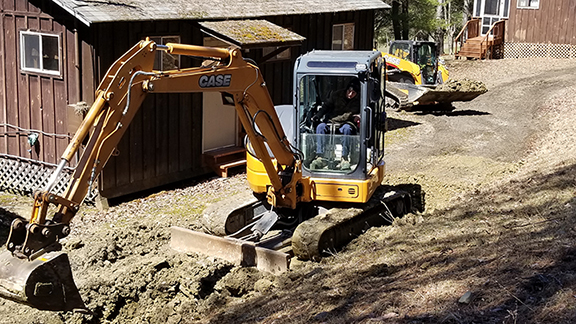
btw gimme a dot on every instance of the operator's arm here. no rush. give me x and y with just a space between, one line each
324 109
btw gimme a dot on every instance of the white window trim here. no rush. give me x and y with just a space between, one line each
527 7
343 30
40 70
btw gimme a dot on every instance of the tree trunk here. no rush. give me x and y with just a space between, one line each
405 16
396 20
468 7
440 32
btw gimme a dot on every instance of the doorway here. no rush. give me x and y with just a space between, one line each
219 121
490 11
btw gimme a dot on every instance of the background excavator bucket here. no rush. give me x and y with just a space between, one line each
44 283
408 95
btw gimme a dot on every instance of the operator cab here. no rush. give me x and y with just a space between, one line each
340 109
422 53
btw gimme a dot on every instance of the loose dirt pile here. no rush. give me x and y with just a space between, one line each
463 85
495 244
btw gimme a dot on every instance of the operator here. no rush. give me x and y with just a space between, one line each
341 111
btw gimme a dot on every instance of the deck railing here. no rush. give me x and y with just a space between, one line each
490 43
493 39
470 30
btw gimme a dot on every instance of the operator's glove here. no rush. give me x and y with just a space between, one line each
356 121
318 117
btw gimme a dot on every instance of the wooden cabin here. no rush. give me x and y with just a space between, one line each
519 28
54 53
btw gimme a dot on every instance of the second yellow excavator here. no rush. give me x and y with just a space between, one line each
417 76
314 189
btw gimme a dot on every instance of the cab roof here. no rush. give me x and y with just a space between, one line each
335 61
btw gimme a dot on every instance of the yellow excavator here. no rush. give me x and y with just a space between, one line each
315 203
415 62
417 76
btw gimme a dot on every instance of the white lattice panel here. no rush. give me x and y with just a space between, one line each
524 50
25 177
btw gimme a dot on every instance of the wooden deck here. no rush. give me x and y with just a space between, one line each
223 159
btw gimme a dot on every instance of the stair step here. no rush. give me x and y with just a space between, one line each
232 164
470 55
472 46
469 50
225 151
223 168
222 159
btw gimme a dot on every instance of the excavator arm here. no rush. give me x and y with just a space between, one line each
118 98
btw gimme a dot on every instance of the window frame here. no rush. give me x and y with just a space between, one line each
162 53
344 25
529 6
41 70
285 55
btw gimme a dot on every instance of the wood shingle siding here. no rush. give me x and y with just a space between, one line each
553 22
34 101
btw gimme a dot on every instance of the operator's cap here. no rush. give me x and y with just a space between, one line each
354 84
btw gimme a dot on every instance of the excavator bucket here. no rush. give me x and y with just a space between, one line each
44 283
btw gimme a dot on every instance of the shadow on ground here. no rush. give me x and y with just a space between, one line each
453 113
394 124
512 247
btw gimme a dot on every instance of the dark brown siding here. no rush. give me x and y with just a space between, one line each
34 101
318 32
554 22
164 141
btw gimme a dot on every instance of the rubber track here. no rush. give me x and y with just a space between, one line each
328 232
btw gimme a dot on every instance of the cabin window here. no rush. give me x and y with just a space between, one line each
343 37
40 52
284 55
528 4
166 61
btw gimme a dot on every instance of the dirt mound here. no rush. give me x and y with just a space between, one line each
463 85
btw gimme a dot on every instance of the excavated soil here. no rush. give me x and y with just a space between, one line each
494 245
463 85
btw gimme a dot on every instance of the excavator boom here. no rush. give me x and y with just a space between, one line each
32 270
321 189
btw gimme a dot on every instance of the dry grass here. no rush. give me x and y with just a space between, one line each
511 245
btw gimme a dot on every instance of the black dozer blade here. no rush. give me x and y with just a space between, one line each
44 283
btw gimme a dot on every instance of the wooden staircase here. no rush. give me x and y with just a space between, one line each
222 159
473 45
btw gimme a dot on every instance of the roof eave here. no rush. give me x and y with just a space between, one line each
73 12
